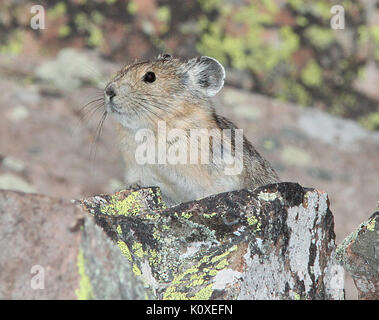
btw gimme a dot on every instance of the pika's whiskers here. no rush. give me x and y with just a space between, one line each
96 137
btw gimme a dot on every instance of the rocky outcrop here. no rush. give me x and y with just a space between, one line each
50 249
275 242
359 254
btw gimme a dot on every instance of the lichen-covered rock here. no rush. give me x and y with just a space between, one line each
104 275
276 242
285 49
50 250
359 254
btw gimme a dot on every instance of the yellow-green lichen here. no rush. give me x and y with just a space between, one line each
296 296
57 11
253 221
64 30
209 215
312 74
172 294
156 234
14 45
301 21
247 49
131 205
124 250
119 230
96 37
84 292
219 257
320 37
163 14
293 91
186 215
371 225
138 252
224 255
197 280
222 264
152 216
204 294
212 272
154 258
273 50
137 272
132 7
137 248
90 24
371 121
153 253
197 276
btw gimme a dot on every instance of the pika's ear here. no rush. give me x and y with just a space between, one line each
206 75
164 56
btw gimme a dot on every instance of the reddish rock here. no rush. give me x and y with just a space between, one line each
38 231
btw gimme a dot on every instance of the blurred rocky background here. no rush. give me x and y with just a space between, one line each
306 95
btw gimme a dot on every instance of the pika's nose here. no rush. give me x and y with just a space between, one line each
110 91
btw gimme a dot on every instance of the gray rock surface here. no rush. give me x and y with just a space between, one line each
39 247
359 254
275 242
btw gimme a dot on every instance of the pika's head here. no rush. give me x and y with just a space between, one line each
163 89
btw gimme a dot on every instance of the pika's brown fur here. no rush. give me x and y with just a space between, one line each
176 93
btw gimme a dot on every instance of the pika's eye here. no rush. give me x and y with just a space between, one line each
149 77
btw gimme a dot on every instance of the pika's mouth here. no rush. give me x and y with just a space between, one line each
113 108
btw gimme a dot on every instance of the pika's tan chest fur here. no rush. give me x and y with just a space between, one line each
178 182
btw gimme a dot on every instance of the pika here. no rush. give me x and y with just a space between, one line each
194 156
